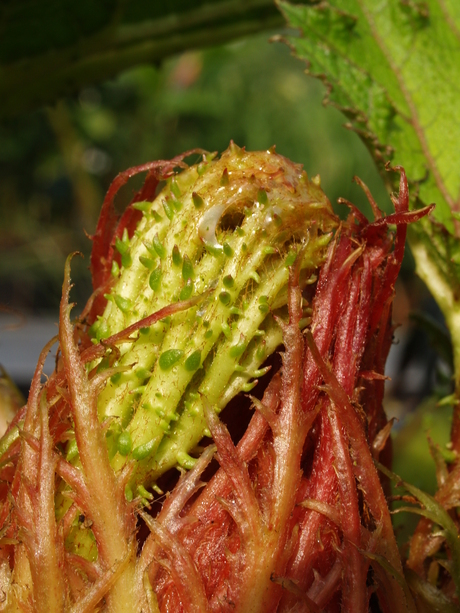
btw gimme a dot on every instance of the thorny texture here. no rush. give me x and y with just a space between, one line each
220 234
293 520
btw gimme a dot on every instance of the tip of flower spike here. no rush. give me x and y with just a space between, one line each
227 227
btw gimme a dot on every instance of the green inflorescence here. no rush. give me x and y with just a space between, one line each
226 230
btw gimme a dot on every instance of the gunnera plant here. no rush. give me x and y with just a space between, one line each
143 475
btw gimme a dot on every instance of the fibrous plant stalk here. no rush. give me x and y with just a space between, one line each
213 271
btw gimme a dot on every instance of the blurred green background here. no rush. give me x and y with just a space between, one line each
56 163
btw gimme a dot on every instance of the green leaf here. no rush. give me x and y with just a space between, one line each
50 48
393 68
434 511
388 64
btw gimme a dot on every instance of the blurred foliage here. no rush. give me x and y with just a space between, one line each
56 163
51 48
